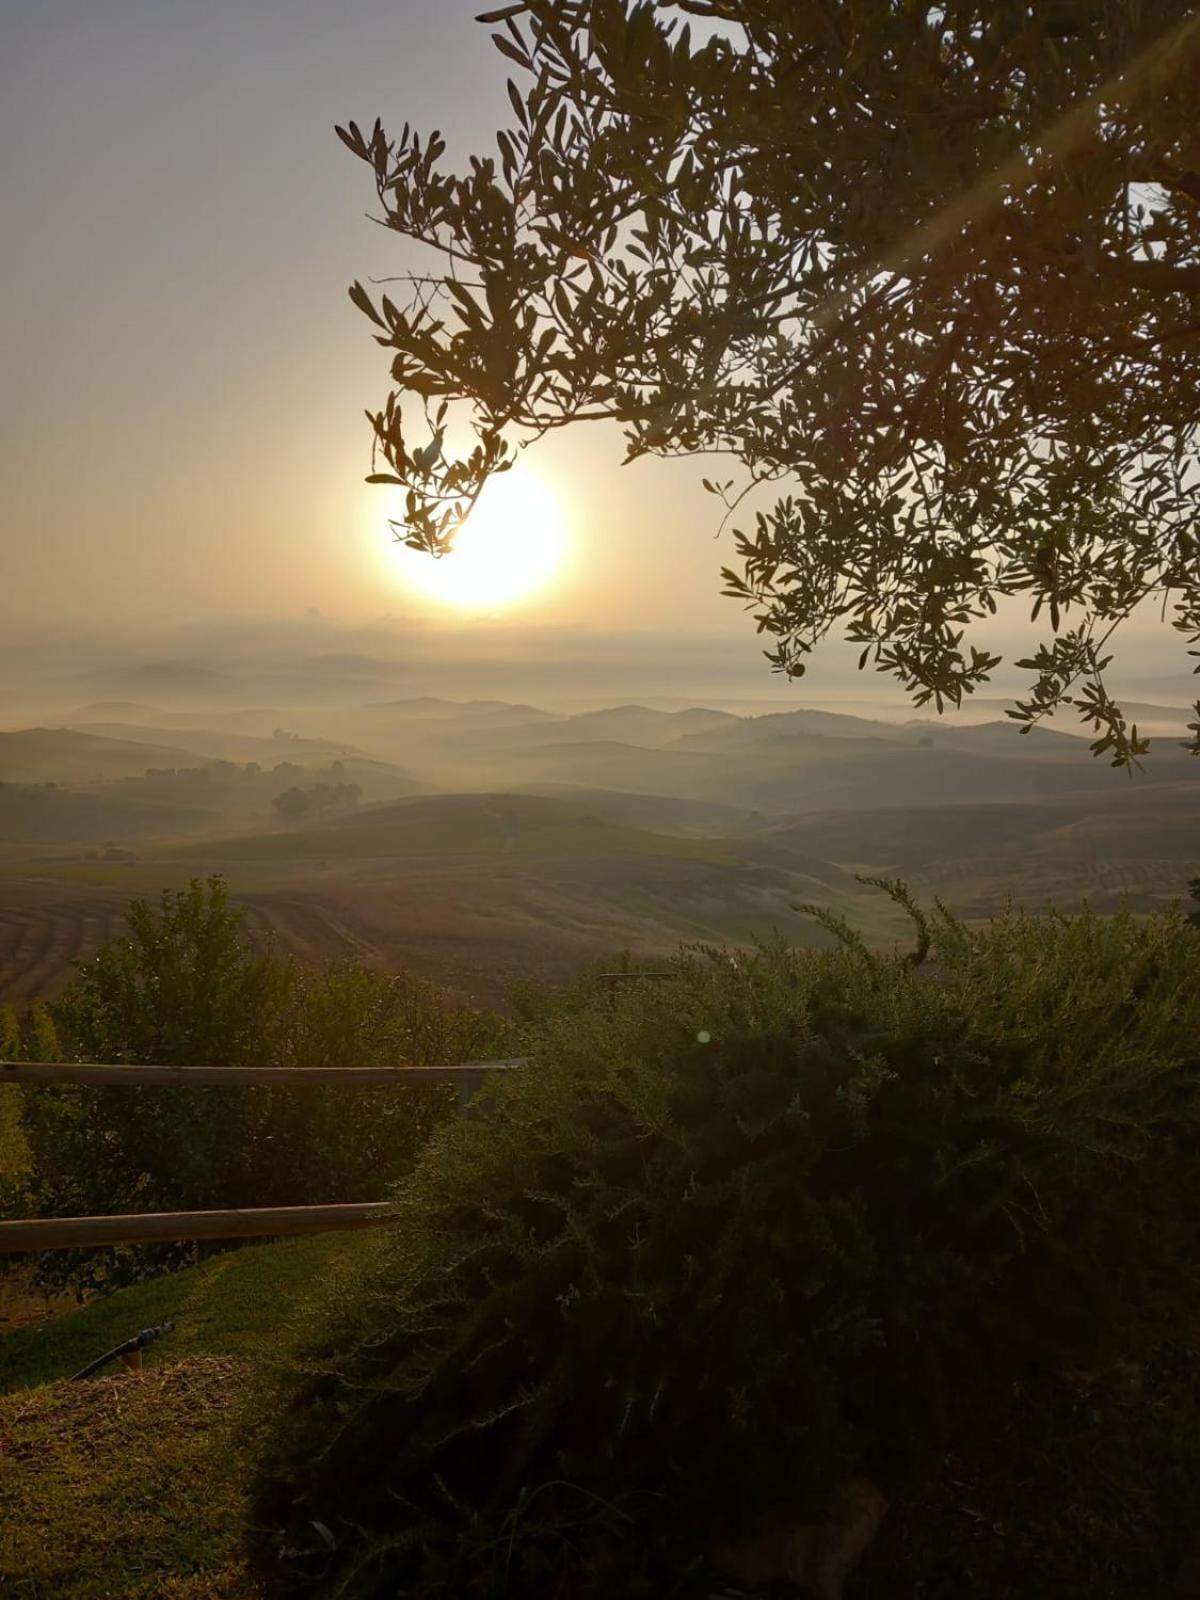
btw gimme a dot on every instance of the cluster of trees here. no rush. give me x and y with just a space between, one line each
325 786
295 804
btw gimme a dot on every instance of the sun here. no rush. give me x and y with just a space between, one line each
508 550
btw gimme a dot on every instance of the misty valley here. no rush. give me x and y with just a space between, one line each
481 842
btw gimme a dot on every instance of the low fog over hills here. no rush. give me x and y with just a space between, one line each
481 838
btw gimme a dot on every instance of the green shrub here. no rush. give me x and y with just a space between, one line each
736 1235
28 1036
186 987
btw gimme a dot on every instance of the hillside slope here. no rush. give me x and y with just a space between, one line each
62 755
463 825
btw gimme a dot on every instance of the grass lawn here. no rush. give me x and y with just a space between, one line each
130 1486
126 1486
239 1303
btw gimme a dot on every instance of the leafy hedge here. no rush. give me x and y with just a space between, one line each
186 986
736 1235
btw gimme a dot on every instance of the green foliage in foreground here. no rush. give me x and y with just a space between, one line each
740 1233
186 986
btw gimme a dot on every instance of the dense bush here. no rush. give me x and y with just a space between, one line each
186 986
736 1235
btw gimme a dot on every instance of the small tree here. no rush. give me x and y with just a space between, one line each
292 804
933 270
182 987
186 986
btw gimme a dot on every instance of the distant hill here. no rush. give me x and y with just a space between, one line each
260 721
1005 738
639 725
787 726
113 711
466 744
460 730
659 812
976 857
907 837
213 744
62 755
1150 716
792 728
170 676
38 816
490 712
772 772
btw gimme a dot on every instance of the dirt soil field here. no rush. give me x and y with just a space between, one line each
476 926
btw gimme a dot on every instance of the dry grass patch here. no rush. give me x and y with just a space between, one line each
128 1486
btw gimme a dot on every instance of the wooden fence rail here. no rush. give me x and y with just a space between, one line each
165 1227
469 1073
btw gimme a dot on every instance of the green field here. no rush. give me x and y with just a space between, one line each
492 825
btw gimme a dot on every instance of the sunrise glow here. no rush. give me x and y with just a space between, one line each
509 550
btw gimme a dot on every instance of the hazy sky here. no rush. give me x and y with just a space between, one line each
181 423
182 431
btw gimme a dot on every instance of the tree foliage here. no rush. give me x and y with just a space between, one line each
932 272
294 804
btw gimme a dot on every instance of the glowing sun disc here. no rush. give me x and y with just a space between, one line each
509 548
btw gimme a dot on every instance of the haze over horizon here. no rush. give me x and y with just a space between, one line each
182 439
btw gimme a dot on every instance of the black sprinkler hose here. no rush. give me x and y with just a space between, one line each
130 1347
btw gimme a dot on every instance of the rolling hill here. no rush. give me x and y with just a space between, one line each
501 841
813 772
660 813
214 744
63 755
35 815
463 825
